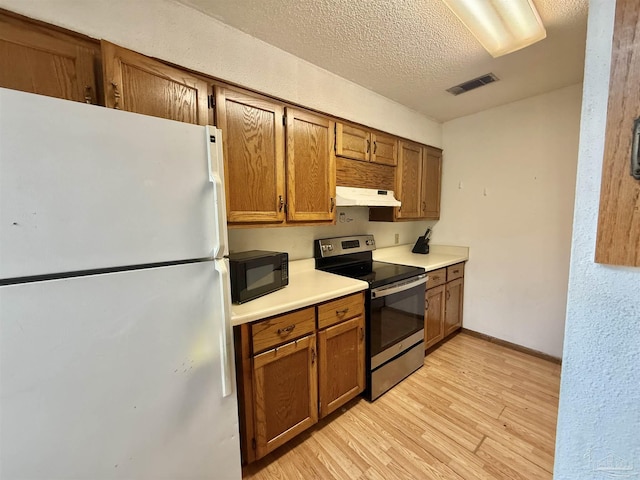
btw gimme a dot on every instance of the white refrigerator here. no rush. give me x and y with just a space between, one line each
116 350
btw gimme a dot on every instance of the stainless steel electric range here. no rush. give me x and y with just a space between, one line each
395 304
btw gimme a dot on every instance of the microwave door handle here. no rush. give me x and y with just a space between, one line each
390 290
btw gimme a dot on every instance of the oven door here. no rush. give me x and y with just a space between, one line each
396 318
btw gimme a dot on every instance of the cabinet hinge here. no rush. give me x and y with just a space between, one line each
211 101
253 443
319 406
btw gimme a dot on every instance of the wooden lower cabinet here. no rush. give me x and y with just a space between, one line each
285 393
341 374
453 306
434 316
290 372
443 305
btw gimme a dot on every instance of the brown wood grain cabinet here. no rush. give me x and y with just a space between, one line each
253 139
290 371
432 182
285 393
443 305
418 185
137 83
42 60
311 167
360 143
618 238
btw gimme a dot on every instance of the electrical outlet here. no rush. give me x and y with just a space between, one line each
397 238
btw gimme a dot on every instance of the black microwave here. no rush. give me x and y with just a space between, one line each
256 273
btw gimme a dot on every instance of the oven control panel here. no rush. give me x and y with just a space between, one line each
329 247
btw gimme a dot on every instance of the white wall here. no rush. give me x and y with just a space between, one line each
298 241
599 416
508 189
176 33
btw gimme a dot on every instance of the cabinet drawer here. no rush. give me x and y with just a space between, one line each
436 277
276 330
455 271
341 309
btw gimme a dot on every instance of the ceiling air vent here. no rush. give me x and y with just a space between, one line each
471 84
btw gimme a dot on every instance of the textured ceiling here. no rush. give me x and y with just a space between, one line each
412 50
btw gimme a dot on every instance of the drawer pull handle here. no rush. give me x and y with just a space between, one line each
456 271
436 278
286 330
342 312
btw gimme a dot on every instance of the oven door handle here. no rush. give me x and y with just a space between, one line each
397 288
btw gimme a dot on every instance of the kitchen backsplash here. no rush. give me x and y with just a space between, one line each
298 241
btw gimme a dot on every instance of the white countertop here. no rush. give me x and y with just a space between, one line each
439 256
308 286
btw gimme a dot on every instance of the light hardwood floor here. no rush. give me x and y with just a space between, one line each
476 410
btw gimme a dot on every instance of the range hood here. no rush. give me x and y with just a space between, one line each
365 197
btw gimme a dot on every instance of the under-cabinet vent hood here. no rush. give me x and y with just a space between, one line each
365 197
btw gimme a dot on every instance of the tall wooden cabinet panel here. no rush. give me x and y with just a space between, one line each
136 83
47 62
432 172
285 393
409 181
618 238
341 371
253 138
311 167
434 316
453 307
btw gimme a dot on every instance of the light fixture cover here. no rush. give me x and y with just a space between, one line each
501 26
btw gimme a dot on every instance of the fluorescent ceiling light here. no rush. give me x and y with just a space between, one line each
501 26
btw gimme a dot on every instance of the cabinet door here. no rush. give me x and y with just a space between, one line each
432 172
453 308
341 357
136 83
311 167
46 62
410 180
352 142
285 393
434 316
253 138
385 149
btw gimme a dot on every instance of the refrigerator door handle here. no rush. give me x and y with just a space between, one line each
226 333
216 177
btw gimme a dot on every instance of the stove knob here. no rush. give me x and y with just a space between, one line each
330 248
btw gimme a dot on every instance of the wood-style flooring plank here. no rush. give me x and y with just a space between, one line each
475 411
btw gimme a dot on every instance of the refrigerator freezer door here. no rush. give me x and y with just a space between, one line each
116 376
85 187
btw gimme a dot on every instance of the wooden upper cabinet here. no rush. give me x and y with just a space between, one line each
45 61
311 167
136 83
253 139
409 181
359 143
352 142
384 149
432 171
618 238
